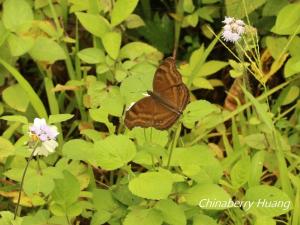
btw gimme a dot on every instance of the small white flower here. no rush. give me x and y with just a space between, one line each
233 29
46 134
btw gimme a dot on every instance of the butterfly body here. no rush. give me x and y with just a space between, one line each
165 103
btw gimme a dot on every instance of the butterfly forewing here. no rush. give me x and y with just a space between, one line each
165 104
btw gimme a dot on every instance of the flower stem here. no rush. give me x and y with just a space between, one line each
173 144
22 180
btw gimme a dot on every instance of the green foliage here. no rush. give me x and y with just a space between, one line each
81 64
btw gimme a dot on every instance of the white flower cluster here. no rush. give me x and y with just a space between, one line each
233 29
41 131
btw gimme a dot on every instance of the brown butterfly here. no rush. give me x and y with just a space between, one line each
165 103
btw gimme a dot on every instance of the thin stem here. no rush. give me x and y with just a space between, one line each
23 178
173 144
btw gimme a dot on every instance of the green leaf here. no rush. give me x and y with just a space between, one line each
257 141
196 111
17 15
292 67
201 193
122 9
95 24
235 8
240 172
6 148
142 136
16 97
19 45
17 118
134 21
256 169
112 43
136 49
275 45
37 184
33 97
291 96
272 8
66 190
104 201
196 162
211 67
261 110
58 118
143 216
203 220
46 50
287 20
91 55
188 6
152 185
200 82
264 220
114 152
171 212
268 200
78 149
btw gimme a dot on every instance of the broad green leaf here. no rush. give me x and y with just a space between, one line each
275 45
136 49
16 97
101 116
17 15
294 47
17 118
46 50
78 149
19 45
143 216
114 152
134 21
256 140
190 20
287 20
91 55
6 148
100 217
172 213
196 162
95 24
291 96
264 220
256 170
196 111
268 200
103 200
122 9
123 195
188 6
4 33
37 184
272 8
240 172
66 190
203 220
58 118
144 135
201 194
211 67
235 8
292 67
200 82
152 185
112 43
